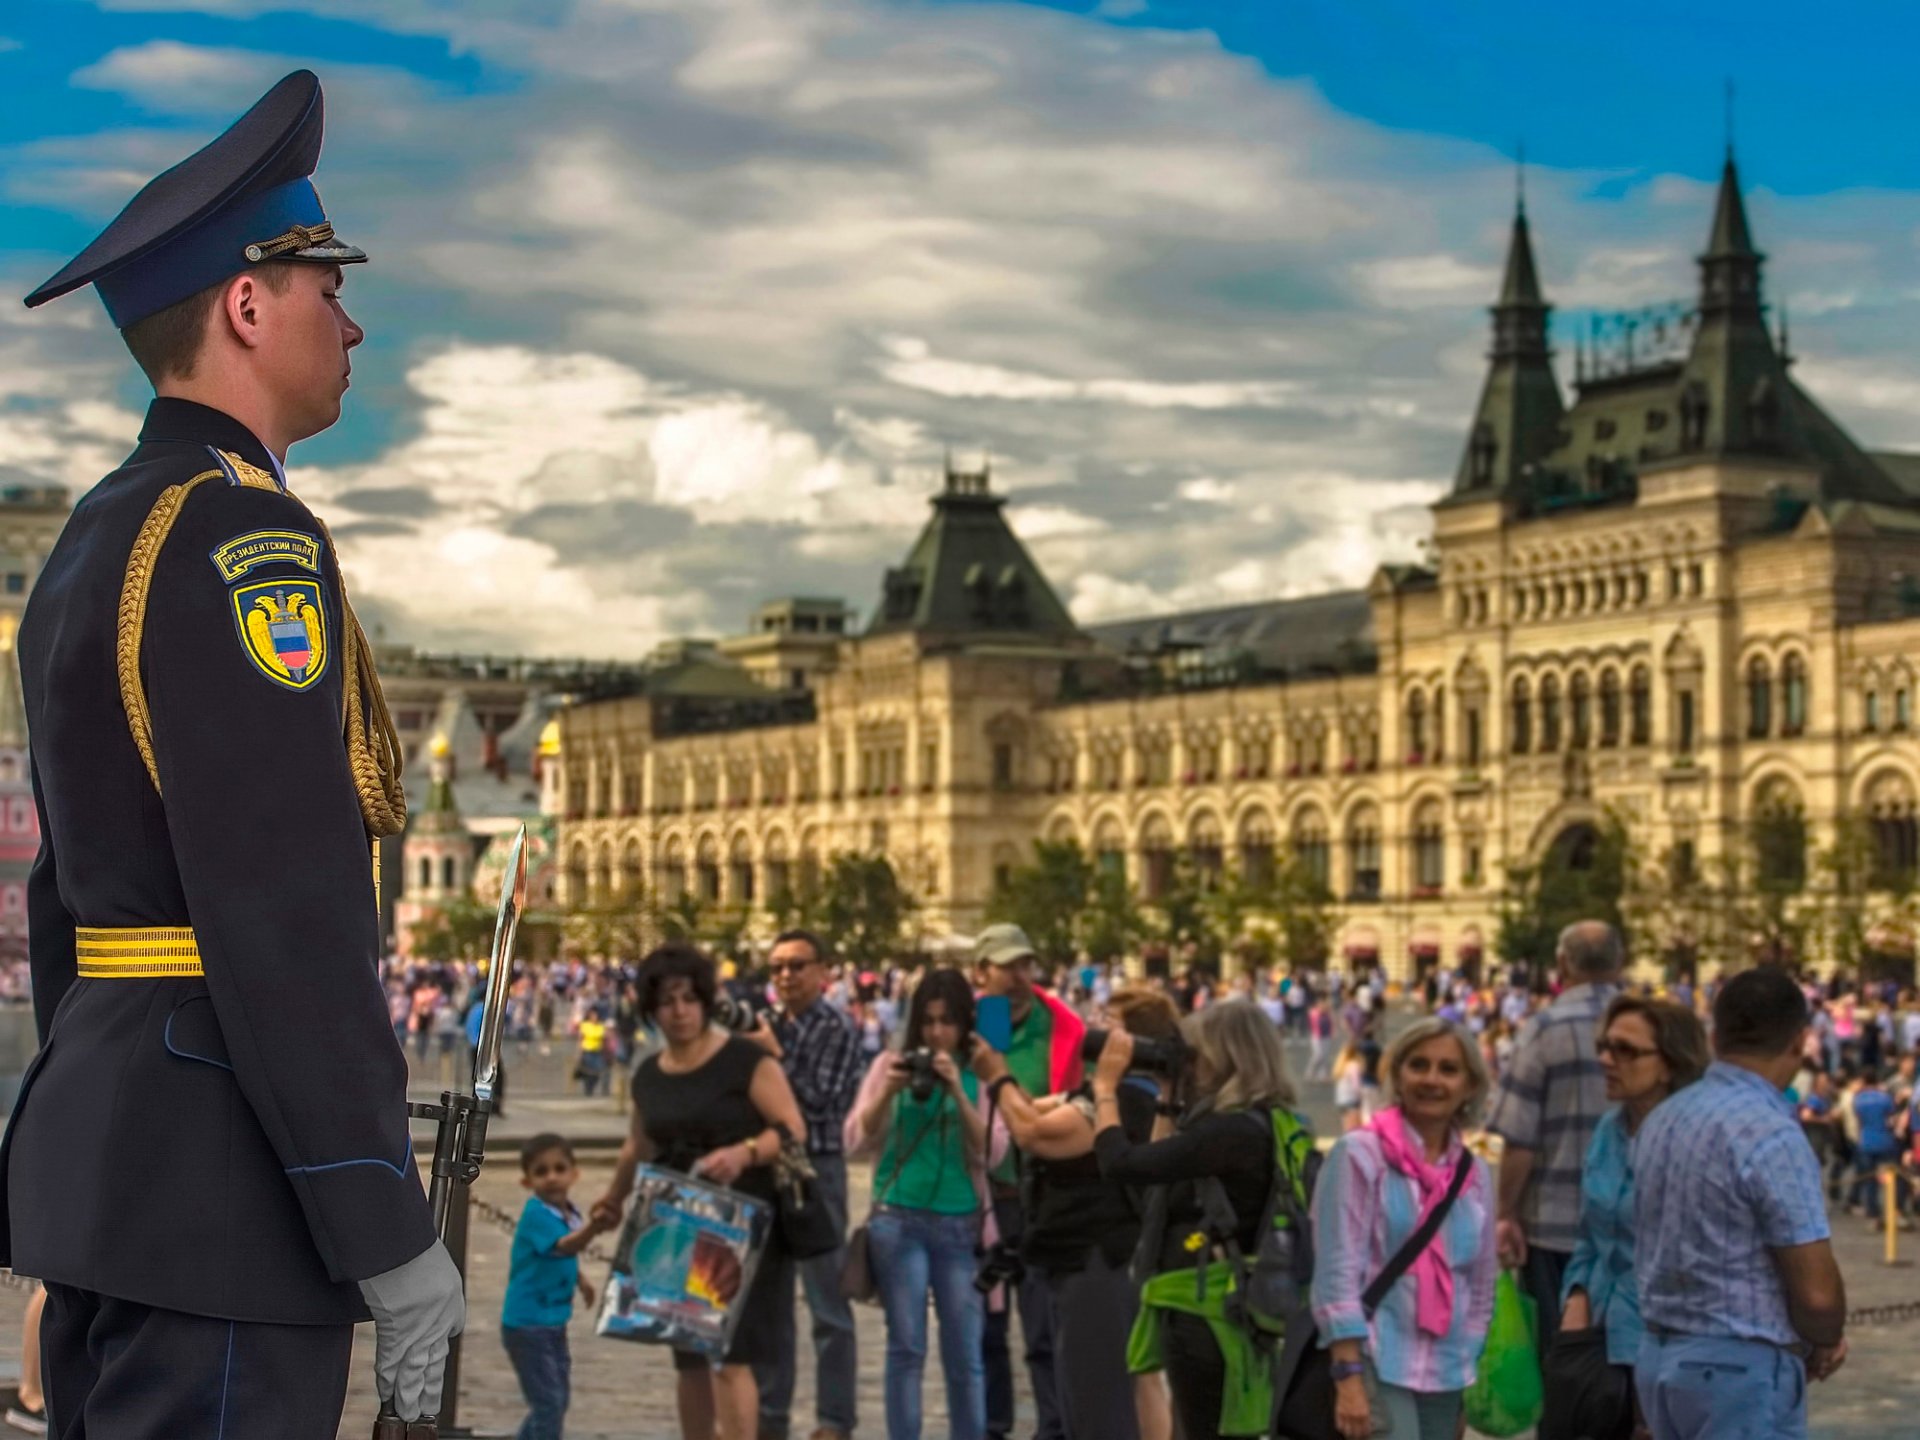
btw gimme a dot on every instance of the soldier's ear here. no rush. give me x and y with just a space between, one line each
240 309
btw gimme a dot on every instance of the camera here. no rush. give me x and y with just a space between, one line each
921 1081
732 1013
1155 1057
1000 1264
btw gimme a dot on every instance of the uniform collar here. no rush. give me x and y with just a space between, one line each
170 419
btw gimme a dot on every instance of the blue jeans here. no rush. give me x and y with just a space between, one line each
1696 1387
915 1251
1420 1415
545 1369
836 1358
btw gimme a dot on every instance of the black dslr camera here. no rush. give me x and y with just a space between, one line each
1154 1057
999 1264
732 1013
921 1081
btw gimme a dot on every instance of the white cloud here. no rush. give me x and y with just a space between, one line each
693 306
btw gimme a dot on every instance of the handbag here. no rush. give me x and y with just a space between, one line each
802 1219
858 1283
1587 1396
1505 1397
1303 1370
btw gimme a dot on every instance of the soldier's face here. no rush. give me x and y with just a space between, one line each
310 356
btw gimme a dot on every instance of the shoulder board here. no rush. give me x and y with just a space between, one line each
239 472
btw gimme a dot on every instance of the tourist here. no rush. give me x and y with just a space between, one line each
1320 1037
1238 1079
928 1141
1044 1057
1348 1071
1082 1230
1736 1273
714 1105
590 1065
1876 1146
820 1052
543 1271
1545 1110
1379 1184
1648 1049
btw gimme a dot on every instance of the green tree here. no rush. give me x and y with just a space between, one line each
617 930
1583 877
1049 898
1111 924
1302 908
864 910
461 930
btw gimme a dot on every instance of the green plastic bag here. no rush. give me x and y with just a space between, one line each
1505 1397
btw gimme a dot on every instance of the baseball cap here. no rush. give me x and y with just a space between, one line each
1002 945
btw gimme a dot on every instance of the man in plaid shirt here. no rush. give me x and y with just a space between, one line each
1550 1098
818 1048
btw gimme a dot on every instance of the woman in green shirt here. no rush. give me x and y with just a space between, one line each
918 1107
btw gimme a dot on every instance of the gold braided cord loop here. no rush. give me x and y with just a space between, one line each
376 759
133 612
373 760
135 952
298 238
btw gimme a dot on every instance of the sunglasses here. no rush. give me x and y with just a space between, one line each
1620 1050
791 967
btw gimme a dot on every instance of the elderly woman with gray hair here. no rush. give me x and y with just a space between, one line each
1412 1351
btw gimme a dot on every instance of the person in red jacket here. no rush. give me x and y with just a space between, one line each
1044 1056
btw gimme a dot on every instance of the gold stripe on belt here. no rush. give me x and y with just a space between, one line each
136 953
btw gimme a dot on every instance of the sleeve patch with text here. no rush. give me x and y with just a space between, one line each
264 547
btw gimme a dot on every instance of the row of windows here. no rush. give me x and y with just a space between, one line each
1584 717
1592 594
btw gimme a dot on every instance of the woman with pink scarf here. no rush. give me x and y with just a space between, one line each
1414 1355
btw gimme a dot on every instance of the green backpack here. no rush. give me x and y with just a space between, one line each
1270 1286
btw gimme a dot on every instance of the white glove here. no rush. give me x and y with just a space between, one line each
417 1309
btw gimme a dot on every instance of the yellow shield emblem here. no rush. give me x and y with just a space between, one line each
283 629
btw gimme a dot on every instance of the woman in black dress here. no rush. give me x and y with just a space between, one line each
710 1104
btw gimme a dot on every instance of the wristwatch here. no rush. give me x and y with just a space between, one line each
1347 1369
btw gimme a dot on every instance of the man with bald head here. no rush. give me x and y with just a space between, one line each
1550 1098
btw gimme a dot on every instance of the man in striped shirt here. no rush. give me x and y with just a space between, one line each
1739 1289
1551 1098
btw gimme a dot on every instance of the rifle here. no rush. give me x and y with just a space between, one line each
460 1143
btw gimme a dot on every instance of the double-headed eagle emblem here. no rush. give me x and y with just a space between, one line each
284 628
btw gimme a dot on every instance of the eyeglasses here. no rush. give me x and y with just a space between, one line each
792 967
1620 1050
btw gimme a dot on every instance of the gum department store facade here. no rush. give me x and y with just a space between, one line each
1681 598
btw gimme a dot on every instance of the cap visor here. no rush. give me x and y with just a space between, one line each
331 253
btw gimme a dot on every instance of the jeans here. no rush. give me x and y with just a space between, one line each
545 1370
914 1251
1695 1387
1093 1313
1867 1189
1420 1415
836 1357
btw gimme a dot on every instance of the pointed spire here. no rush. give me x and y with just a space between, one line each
1730 237
1521 284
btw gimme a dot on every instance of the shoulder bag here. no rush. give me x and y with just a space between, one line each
857 1280
1303 1369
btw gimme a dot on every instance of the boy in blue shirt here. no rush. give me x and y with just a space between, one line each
542 1275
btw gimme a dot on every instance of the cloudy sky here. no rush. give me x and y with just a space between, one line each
677 303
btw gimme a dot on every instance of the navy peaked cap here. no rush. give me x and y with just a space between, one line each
244 199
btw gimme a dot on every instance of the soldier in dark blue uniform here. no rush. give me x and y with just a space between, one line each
209 1162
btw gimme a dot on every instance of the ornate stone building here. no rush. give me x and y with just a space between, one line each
1682 594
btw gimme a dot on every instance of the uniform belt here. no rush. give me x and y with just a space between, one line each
112 952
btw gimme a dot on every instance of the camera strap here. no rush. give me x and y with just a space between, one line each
938 1120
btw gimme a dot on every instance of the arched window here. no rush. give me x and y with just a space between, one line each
1870 712
1310 847
1256 849
1110 848
1609 708
1895 834
576 875
1429 849
1759 699
1439 721
1779 836
1522 721
1793 695
1902 710
1156 858
1363 854
449 873
1640 707
631 873
740 872
1416 727
1550 714
426 870
1207 848
1580 693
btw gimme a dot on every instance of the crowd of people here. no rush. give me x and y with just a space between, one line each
1105 1161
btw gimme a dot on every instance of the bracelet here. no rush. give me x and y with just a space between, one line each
993 1090
1347 1369
752 1142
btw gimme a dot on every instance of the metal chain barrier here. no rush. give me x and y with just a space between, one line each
507 1221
